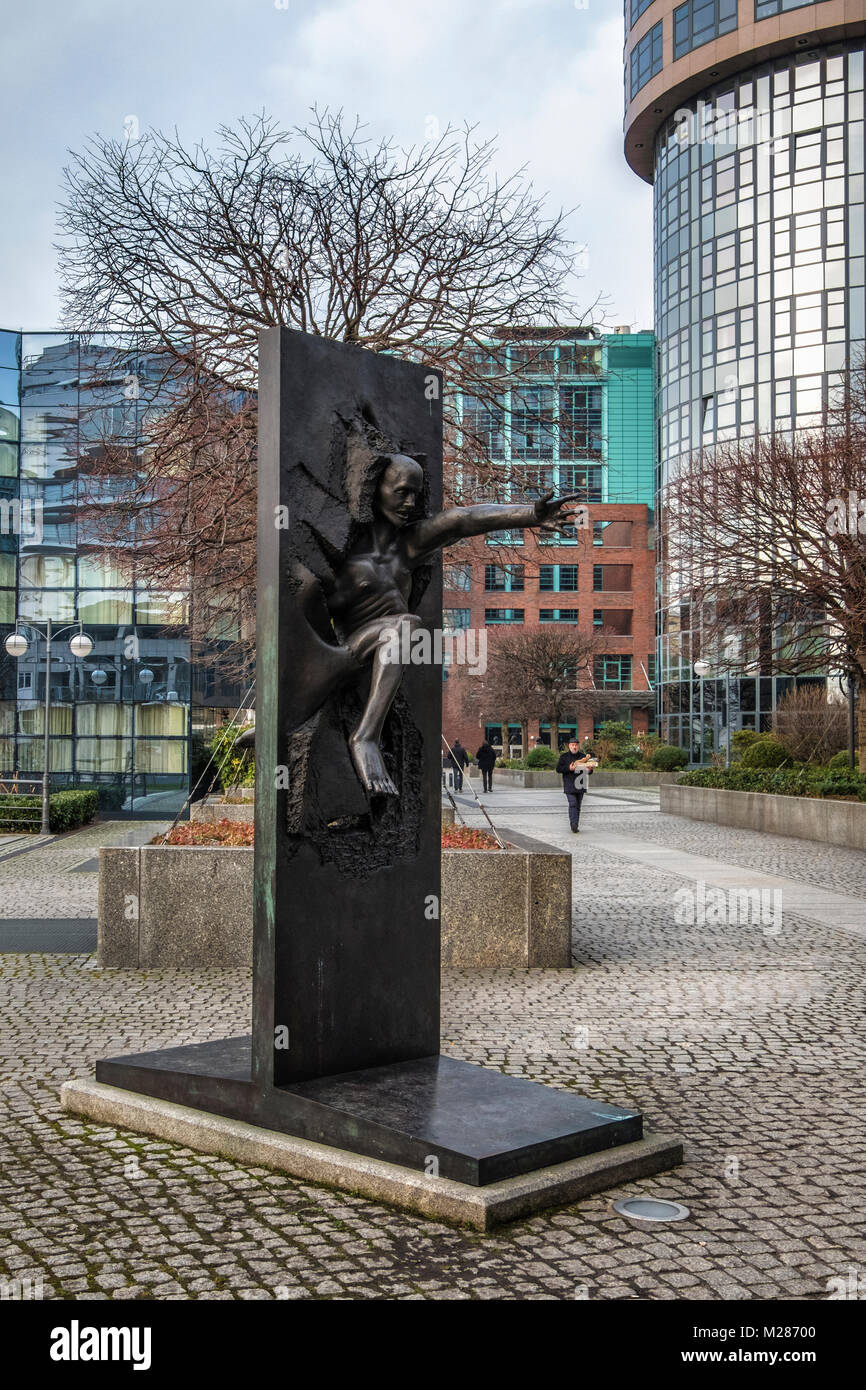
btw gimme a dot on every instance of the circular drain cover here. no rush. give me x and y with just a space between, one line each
651 1209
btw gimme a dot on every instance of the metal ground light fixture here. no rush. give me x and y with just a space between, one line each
17 646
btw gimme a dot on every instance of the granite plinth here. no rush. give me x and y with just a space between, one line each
422 1192
478 1125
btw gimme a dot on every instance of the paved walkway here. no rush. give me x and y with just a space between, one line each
747 1037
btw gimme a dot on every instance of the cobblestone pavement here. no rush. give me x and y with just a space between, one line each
751 1046
38 873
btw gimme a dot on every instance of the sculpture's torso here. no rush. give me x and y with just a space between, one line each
372 583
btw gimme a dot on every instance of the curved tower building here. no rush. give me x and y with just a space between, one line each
747 118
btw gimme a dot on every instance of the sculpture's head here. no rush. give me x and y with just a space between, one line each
399 488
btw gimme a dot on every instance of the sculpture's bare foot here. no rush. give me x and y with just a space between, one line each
367 757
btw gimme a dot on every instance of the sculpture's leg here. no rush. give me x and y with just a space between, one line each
387 673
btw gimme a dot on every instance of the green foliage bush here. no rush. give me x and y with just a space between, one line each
541 758
237 769
615 729
66 811
765 751
668 759
741 740
802 781
839 761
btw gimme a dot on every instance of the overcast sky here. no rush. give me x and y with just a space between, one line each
543 76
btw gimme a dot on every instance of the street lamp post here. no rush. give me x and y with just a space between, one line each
17 645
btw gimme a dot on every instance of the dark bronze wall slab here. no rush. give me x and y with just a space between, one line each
346 950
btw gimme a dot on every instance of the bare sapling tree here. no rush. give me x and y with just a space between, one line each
764 538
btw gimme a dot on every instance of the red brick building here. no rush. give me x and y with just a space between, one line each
603 583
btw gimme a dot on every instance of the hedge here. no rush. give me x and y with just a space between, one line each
66 811
804 781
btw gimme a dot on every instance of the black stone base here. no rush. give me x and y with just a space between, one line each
480 1126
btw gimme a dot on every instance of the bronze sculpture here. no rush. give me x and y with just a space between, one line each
367 597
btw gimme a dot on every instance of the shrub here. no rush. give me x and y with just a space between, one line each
21 813
69 809
803 781
230 834
840 761
766 751
741 740
810 727
236 769
542 757
668 759
66 811
616 730
626 762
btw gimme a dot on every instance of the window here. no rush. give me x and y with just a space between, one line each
458 577
580 422
635 9
699 21
646 59
765 9
557 615
456 617
503 615
504 577
586 482
532 423
598 617
554 577
484 425
612 672
505 538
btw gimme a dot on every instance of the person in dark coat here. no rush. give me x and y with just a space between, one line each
486 760
571 763
459 759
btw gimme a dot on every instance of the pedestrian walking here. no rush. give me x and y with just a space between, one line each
459 759
486 760
571 764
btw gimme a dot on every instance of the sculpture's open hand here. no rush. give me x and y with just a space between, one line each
553 512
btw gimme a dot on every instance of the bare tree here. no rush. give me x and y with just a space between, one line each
538 673
810 727
765 539
422 253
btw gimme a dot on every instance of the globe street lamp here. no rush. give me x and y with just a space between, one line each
16 645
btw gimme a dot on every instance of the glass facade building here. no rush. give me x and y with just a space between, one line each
758 176
127 717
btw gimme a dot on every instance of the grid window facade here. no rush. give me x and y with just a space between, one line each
699 21
612 672
635 9
760 298
122 718
557 615
553 578
493 616
456 618
503 577
765 9
457 577
646 59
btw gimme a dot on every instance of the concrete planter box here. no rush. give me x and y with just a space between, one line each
192 906
212 808
602 777
511 908
806 818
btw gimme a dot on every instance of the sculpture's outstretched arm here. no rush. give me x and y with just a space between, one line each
427 536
